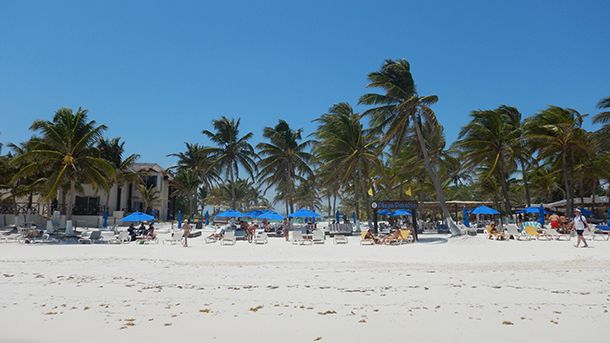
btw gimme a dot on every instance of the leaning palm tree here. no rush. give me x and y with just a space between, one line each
345 149
112 150
397 109
232 151
558 137
284 160
67 146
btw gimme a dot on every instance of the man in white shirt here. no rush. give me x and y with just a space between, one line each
580 224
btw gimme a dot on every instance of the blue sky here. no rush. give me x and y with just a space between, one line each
157 73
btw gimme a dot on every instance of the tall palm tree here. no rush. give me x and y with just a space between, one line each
232 151
112 150
489 140
398 108
68 147
604 116
558 137
345 149
284 160
198 160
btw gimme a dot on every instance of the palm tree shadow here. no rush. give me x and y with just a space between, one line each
432 240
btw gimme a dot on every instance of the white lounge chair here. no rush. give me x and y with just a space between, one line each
318 237
176 238
340 239
122 237
551 233
296 237
229 238
513 230
260 238
93 237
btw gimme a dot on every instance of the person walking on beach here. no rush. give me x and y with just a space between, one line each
186 230
286 228
580 224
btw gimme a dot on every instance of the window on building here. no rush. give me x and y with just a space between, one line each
87 205
149 180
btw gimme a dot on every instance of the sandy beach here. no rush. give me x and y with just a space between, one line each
436 290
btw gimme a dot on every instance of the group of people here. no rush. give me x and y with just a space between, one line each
141 232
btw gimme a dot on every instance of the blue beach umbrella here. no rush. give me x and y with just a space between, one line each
484 210
207 218
270 215
137 217
541 215
105 223
384 212
533 209
254 213
179 219
230 214
465 215
152 213
585 212
304 213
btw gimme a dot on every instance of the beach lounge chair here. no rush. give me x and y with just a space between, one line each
552 234
513 230
211 239
229 238
530 232
364 240
318 237
340 239
93 237
122 237
175 238
260 238
297 238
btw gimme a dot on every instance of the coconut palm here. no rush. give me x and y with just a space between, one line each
346 150
112 150
397 109
67 146
604 116
558 137
198 160
232 151
284 160
489 140
186 184
150 195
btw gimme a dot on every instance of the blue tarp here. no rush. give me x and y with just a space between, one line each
230 214
465 214
138 217
105 223
484 210
304 213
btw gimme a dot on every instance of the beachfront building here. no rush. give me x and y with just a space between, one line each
90 203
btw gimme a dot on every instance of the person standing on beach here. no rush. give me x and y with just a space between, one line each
580 224
286 228
186 230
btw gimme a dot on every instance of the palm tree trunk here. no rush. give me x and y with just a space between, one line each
71 199
233 200
568 185
357 196
329 208
118 197
504 185
526 185
440 195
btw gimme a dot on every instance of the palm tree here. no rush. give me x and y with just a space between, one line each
284 160
68 148
150 195
489 140
232 151
186 184
557 135
399 108
198 160
345 149
603 117
112 150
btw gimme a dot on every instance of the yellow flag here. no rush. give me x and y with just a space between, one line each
408 192
370 191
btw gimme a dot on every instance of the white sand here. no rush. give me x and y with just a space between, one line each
432 291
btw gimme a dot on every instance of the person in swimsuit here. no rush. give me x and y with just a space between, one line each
554 218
